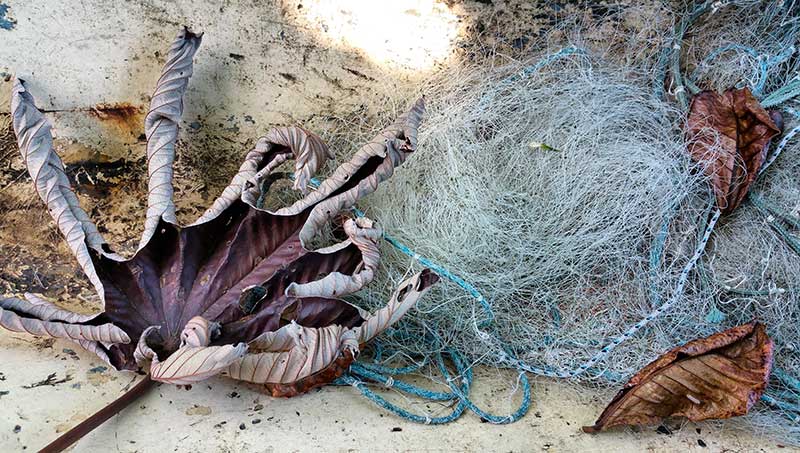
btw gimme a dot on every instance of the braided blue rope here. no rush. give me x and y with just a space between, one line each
783 94
459 393
765 64
544 61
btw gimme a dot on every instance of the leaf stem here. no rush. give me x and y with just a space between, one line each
99 417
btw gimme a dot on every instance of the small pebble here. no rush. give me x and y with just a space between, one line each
396 429
242 426
17 428
256 421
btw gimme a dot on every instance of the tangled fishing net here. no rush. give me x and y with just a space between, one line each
560 191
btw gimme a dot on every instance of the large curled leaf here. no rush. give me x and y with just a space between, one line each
729 134
717 377
237 291
239 268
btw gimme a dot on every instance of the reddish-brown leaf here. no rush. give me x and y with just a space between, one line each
720 376
729 134
303 385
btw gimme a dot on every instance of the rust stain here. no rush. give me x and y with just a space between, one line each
124 115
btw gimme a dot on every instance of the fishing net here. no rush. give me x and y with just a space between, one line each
557 197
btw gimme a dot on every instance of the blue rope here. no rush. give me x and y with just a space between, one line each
783 94
459 391
544 61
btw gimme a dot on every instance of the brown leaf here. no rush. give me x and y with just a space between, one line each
720 376
729 134
238 272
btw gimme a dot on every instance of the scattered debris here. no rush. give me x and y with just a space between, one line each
6 22
50 380
198 410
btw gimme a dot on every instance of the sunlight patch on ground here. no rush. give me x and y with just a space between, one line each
414 34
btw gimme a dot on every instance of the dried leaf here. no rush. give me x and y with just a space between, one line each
50 179
309 152
199 332
47 311
293 353
295 359
196 295
717 377
11 320
365 236
161 130
372 164
189 364
42 309
273 149
729 135
405 296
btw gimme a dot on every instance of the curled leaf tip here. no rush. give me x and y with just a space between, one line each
187 33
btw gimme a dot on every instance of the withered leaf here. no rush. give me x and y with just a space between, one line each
295 359
729 134
237 291
192 299
717 377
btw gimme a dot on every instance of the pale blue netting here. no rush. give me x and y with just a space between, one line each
555 272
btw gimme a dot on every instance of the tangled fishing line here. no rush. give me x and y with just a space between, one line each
576 236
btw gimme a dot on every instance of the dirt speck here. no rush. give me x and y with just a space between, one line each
198 410
74 420
50 380
99 375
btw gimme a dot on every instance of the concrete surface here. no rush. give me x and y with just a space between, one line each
220 416
92 65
